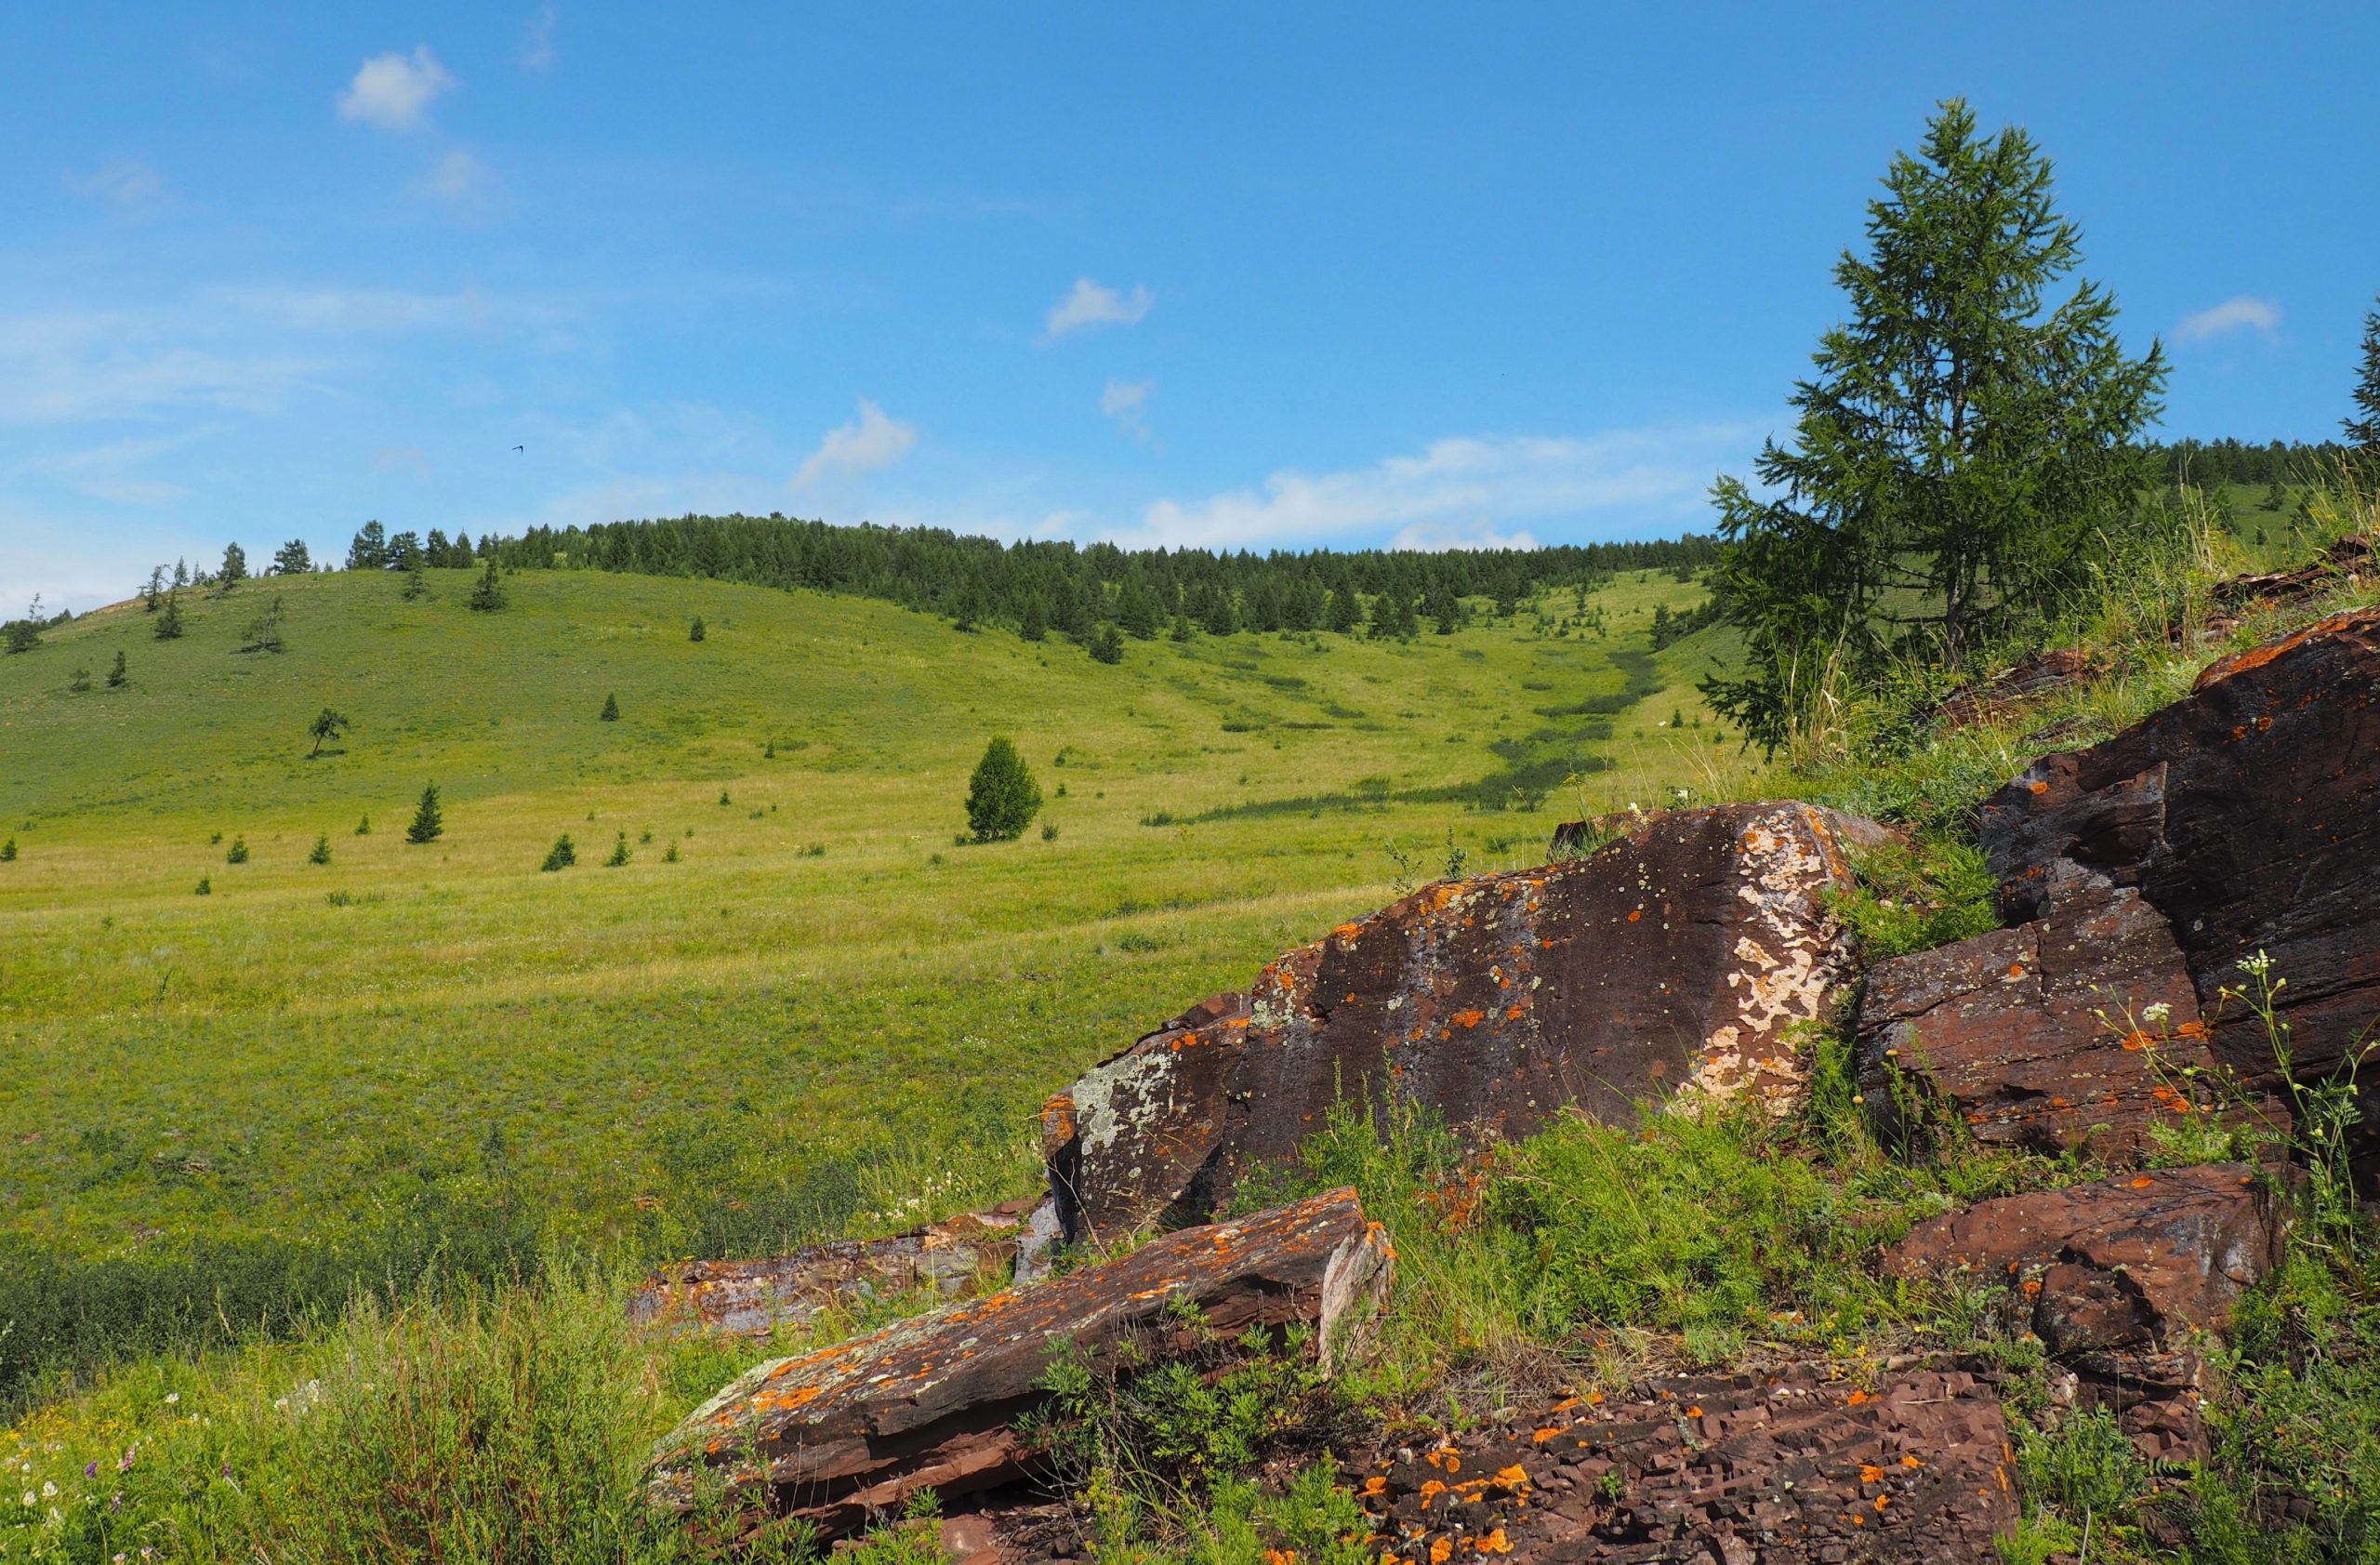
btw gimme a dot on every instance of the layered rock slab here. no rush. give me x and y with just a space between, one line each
750 1298
1675 961
2049 1036
1787 1469
2248 814
2125 1262
852 1431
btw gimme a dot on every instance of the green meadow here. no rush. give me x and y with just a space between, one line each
826 1014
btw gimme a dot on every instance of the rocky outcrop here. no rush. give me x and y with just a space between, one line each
955 1255
2345 563
2029 681
2049 1036
2125 1262
1675 961
1788 1469
2248 815
852 1431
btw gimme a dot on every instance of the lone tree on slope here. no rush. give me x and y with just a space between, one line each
429 821
488 596
1958 452
325 727
1002 797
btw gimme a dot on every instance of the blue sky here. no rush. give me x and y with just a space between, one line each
1219 275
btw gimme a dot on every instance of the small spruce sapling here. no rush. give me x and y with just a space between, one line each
489 595
169 624
611 712
9 851
81 683
619 852
695 632
23 634
117 678
429 821
1107 645
238 853
671 854
321 853
364 826
561 856
205 886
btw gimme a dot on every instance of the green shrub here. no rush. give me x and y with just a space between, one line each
619 853
238 853
1002 797
561 856
1912 899
321 853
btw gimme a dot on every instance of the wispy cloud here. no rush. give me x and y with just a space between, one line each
1091 304
866 444
1126 402
458 177
394 92
538 42
2244 313
1463 491
127 182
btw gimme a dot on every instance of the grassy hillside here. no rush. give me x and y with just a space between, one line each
805 1015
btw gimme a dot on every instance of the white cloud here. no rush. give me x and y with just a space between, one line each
1093 305
1464 492
870 443
458 177
394 92
1126 402
2233 315
538 42
127 182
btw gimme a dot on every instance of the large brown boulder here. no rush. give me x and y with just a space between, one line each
1676 960
955 1255
2248 814
2048 1036
2130 1262
852 1431
1787 1469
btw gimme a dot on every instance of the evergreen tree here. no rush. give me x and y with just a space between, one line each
2275 497
417 581
1961 448
1002 797
236 566
321 853
1033 621
181 573
1220 616
1343 613
619 853
561 856
23 635
488 596
1137 611
169 624
1408 622
405 551
363 825
291 559
1106 644
435 550
205 886
695 632
9 851
429 821
2365 430
80 684
611 712
1444 608
117 677
462 551
238 853
152 596
327 726
263 633
369 549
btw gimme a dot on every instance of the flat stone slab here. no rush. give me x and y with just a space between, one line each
1677 961
850 1432
1785 1468
957 1255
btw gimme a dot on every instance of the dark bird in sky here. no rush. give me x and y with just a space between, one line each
521 448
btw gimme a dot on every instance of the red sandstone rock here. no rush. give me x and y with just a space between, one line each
2031 679
2123 1262
951 1257
2345 563
2041 1036
1675 961
2249 815
1780 1469
852 1431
